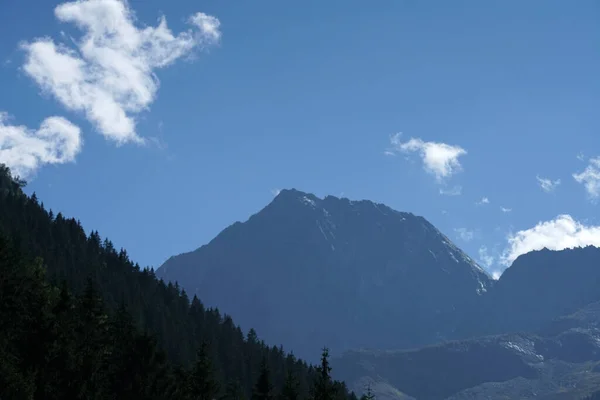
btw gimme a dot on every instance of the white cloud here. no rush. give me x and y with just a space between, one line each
547 185
484 200
486 259
590 178
465 234
581 156
24 150
275 192
395 139
453 191
439 159
505 210
563 232
109 76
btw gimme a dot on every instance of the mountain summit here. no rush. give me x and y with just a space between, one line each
346 274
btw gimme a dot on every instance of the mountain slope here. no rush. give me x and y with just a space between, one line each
555 295
164 311
537 288
332 271
506 366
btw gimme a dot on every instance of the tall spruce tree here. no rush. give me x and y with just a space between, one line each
323 388
234 391
290 390
263 390
202 383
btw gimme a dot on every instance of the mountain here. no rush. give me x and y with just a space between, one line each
346 274
536 289
510 366
549 300
87 322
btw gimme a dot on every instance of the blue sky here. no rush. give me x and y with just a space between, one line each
161 136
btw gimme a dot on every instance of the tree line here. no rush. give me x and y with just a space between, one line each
80 320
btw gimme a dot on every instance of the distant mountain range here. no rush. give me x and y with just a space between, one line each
308 272
509 366
560 359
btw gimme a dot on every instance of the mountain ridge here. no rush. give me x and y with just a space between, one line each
311 200
362 260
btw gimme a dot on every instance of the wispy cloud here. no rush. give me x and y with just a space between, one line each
560 233
547 185
24 150
275 192
590 178
485 258
464 234
484 200
109 76
505 210
453 191
439 159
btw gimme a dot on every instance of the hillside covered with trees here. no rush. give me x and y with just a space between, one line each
80 320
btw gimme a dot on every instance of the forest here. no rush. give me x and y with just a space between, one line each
80 320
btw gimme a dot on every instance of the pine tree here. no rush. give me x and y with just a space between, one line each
122 360
92 340
61 353
202 383
323 388
234 391
263 390
15 292
290 389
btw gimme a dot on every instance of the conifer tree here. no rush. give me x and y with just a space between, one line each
122 359
234 391
202 382
91 330
263 390
323 388
368 395
290 390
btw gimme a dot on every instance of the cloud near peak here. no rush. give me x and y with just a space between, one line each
109 75
439 159
24 150
464 234
563 232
